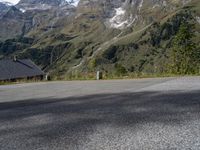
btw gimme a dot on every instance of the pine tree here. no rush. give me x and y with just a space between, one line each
185 55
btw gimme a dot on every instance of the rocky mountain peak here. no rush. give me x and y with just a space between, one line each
47 2
2 2
25 5
4 7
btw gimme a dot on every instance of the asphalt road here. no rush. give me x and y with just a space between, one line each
139 114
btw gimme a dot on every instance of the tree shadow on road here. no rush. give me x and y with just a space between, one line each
53 118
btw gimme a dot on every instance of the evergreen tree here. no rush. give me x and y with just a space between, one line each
185 55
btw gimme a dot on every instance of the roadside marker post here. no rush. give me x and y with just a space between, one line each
99 75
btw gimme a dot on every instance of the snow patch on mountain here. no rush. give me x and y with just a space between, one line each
22 10
117 21
73 2
120 20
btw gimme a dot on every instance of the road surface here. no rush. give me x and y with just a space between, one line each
143 114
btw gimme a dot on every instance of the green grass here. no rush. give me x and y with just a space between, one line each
20 81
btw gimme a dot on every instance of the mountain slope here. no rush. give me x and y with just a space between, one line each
4 7
68 38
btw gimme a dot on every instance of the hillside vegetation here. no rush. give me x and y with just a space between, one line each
162 41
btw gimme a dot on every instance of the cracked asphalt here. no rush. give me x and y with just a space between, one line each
142 114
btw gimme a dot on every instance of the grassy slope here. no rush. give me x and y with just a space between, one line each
147 58
87 44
